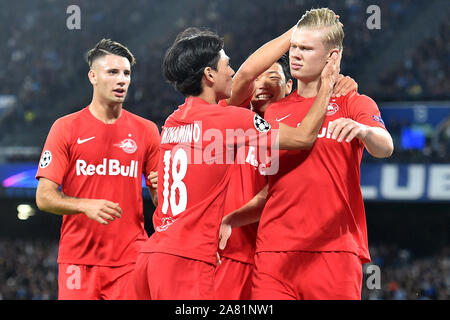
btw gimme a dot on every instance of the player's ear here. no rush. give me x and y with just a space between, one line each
92 76
209 74
289 84
330 53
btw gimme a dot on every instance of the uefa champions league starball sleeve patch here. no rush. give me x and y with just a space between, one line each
45 159
260 124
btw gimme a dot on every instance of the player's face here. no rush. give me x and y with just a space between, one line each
307 54
224 77
270 86
110 75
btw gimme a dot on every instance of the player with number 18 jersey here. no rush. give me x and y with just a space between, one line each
190 209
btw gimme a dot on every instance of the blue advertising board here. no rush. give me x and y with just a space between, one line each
379 182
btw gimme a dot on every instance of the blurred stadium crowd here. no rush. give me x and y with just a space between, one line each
405 276
45 70
28 270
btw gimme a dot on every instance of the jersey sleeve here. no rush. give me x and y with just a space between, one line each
364 110
152 151
55 155
249 129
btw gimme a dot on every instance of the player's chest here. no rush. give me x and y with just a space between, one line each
96 144
336 109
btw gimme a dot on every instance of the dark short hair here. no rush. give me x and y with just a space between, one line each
193 50
107 46
284 63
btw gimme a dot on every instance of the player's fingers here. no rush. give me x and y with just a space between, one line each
333 124
110 212
344 87
114 206
218 259
351 135
153 176
337 62
349 87
101 220
338 86
336 128
222 243
225 233
345 131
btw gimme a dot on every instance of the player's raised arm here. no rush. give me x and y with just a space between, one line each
304 136
256 64
50 199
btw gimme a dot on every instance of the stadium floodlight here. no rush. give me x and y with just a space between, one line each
24 211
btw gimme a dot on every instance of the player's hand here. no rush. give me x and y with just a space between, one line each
224 234
344 85
331 71
348 129
219 262
102 211
153 178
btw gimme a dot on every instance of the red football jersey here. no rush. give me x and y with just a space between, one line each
94 160
246 181
197 151
315 201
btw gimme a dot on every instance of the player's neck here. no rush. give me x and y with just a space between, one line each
209 96
107 113
308 89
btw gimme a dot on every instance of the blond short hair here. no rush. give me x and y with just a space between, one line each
324 18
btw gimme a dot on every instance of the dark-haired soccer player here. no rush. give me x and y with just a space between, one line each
178 261
312 236
97 156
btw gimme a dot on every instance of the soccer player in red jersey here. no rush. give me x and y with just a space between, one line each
97 156
233 275
267 80
179 259
312 236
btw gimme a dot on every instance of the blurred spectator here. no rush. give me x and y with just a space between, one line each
404 277
28 270
46 70
441 139
424 73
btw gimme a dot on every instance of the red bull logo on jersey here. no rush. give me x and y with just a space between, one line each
127 145
110 167
332 109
